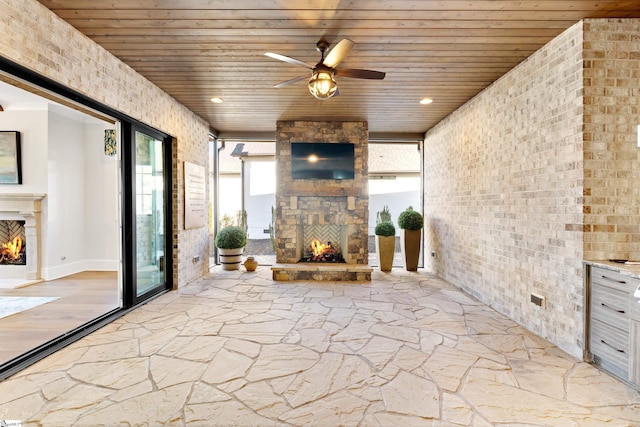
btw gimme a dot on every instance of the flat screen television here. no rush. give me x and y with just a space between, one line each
322 160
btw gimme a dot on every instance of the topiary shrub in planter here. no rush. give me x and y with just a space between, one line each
411 223
385 229
385 244
231 242
410 219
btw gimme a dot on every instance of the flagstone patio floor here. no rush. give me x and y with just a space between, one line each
236 348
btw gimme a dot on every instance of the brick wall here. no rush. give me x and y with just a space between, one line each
503 193
612 161
36 38
537 173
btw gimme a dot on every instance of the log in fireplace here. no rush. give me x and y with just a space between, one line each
322 252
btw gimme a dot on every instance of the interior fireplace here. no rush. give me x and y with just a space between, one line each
26 210
13 247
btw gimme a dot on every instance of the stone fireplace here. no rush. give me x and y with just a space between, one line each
20 214
329 210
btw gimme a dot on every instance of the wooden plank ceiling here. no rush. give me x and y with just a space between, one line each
447 50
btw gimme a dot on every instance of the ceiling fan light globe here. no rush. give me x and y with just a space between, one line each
322 85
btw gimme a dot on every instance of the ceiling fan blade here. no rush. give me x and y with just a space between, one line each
359 74
288 59
291 81
338 53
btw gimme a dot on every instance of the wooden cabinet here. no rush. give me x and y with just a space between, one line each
614 322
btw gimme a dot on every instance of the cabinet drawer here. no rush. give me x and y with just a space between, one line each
612 279
611 346
611 306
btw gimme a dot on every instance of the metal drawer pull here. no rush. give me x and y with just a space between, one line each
610 346
614 280
611 308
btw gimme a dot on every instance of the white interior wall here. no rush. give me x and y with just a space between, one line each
32 125
102 241
64 225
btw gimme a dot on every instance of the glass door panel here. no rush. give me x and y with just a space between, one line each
150 212
395 182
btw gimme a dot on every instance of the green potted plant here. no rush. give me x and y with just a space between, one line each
230 242
385 244
411 223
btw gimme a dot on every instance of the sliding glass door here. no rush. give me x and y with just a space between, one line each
148 233
150 204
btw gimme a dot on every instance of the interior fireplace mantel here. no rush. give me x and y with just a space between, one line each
26 207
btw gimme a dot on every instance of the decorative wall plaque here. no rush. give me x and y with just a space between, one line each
110 144
195 209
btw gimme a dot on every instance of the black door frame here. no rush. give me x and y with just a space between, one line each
130 297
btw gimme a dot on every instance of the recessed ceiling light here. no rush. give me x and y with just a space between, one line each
217 100
425 101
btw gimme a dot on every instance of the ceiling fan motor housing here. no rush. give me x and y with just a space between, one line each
322 46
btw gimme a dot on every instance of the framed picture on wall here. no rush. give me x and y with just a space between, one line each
10 162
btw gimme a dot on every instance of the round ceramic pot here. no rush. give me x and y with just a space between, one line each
230 258
250 264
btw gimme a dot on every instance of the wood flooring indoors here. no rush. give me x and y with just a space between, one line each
82 297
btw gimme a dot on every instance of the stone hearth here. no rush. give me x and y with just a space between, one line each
303 204
321 272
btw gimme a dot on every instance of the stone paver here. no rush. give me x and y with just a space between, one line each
237 348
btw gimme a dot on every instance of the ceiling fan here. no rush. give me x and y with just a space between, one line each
322 83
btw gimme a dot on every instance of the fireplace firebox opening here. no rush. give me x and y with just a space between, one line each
322 243
13 248
322 252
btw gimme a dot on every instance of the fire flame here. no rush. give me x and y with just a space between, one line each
320 249
12 249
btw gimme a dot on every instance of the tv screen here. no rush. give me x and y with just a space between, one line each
322 160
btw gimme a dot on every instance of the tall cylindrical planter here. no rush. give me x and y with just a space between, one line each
410 244
230 258
385 249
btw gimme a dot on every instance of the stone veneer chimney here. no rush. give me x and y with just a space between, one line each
318 202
